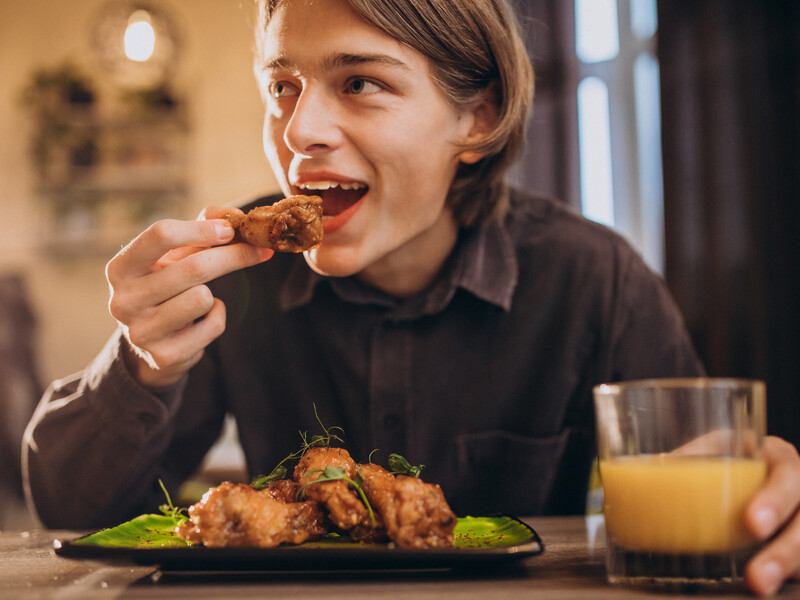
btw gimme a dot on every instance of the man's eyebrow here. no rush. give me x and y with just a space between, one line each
346 59
277 64
338 61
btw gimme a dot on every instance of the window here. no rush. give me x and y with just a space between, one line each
619 131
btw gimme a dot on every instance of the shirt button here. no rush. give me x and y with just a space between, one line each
391 421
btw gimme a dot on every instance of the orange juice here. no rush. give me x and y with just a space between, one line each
679 504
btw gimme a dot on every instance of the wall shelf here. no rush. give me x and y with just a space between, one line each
107 167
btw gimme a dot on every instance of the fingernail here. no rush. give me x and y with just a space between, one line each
222 228
771 577
766 521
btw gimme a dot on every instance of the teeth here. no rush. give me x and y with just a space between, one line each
352 186
318 185
326 185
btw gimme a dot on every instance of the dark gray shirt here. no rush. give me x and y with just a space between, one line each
485 377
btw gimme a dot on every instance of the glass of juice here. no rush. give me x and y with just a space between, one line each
679 461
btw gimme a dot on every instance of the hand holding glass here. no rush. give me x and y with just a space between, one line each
679 461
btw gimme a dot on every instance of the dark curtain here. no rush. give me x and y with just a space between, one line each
730 76
550 164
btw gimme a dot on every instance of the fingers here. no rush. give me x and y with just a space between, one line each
217 212
162 359
138 257
776 506
779 498
777 562
159 293
156 267
197 268
171 316
202 267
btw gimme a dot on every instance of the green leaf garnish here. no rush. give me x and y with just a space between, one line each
169 509
491 532
145 531
323 440
400 466
331 473
259 482
158 531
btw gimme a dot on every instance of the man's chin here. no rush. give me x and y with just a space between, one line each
322 264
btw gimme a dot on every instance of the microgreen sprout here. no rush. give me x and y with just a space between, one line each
259 482
329 435
400 466
169 509
331 473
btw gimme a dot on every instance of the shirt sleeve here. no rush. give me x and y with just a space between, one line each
648 334
94 443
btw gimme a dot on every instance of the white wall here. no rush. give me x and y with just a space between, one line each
227 164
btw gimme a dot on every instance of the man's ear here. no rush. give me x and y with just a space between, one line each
484 118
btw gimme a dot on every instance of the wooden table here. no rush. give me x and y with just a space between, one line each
571 567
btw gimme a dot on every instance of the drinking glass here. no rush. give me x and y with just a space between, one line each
679 461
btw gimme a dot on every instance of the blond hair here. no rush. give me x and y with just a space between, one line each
475 49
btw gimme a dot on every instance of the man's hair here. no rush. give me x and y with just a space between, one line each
475 49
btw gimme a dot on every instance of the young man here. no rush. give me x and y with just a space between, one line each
443 317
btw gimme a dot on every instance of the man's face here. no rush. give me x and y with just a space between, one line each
353 115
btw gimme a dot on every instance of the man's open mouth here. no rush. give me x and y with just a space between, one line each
336 197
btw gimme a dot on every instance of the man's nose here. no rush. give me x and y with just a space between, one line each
313 126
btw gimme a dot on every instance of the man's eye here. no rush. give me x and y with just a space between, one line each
282 89
357 86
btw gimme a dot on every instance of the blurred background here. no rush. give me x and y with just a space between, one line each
676 123
95 145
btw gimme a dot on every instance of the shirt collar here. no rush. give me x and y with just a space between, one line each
483 263
489 268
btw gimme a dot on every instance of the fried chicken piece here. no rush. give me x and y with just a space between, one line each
282 490
293 224
344 507
235 514
415 513
370 532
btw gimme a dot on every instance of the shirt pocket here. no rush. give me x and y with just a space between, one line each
500 471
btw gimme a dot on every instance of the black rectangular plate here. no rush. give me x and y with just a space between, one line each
317 556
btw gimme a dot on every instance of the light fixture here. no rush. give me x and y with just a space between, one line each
140 37
136 42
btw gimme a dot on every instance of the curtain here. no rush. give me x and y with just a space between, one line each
550 164
730 77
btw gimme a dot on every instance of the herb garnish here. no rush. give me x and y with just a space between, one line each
259 482
169 509
331 473
399 465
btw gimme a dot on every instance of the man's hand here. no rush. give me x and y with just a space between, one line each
775 509
159 297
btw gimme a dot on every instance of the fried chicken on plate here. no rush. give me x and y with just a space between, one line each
344 507
235 514
403 509
415 513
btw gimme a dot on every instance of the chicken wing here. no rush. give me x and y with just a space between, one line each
415 513
293 224
282 490
234 514
344 507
